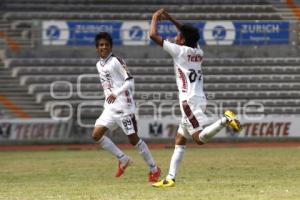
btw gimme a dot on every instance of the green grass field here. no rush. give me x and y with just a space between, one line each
205 173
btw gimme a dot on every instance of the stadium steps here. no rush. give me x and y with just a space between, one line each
14 34
172 95
94 112
126 10
5 113
211 62
18 95
133 2
137 15
154 87
290 78
282 8
274 82
4 26
142 7
167 70
286 14
213 102
171 87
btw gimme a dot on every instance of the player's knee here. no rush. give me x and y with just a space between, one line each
97 134
133 139
199 142
133 143
196 138
180 139
96 137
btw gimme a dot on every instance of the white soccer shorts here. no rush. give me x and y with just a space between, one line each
113 120
193 116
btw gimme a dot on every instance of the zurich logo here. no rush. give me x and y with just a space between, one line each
219 33
136 33
53 32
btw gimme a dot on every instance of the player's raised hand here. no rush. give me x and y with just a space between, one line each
111 98
158 14
166 15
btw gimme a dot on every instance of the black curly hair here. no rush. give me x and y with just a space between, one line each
103 35
190 34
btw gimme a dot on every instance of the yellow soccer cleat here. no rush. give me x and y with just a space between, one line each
164 183
232 121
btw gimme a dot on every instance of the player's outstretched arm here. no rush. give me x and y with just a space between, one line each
153 27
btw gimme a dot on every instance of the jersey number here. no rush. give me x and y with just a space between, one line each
194 75
127 123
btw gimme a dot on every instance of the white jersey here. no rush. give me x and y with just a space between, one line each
187 66
113 72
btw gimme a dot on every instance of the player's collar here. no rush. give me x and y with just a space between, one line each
103 61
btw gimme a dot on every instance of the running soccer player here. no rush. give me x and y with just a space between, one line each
187 58
119 107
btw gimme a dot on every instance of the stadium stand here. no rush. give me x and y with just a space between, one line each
96 10
19 17
273 82
228 83
16 98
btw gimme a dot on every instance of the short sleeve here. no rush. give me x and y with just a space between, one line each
172 48
122 69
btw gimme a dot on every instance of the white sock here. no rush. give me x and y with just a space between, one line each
211 130
145 153
175 161
108 145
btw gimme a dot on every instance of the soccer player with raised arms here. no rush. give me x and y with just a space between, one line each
187 58
119 107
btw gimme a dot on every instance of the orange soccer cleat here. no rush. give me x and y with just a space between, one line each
153 176
122 167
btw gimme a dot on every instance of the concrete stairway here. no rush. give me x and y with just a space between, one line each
11 89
